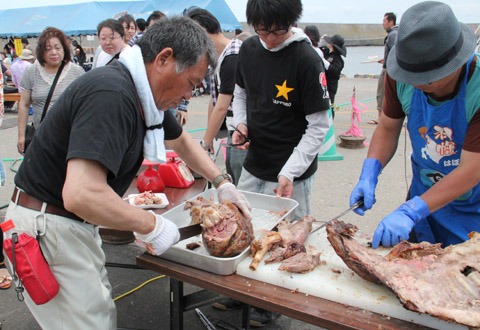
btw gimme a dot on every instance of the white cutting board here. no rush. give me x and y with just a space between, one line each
345 288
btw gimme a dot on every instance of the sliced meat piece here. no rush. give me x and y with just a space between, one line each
276 255
300 263
302 228
293 237
445 284
282 253
284 230
293 248
192 246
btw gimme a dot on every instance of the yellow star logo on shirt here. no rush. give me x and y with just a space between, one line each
283 90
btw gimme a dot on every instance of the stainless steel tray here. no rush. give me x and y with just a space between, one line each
264 216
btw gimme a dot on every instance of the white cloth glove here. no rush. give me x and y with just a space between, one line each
228 192
161 238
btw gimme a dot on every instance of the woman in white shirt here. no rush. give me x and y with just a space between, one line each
111 35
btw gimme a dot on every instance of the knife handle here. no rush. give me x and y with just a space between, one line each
358 204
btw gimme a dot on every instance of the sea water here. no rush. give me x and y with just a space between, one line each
358 54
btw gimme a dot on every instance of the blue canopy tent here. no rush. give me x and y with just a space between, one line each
83 18
218 8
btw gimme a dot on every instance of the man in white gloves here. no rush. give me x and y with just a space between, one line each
165 233
87 152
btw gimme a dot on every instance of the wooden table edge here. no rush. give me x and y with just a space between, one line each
307 308
11 97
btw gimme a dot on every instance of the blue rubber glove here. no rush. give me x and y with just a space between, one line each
397 225
365 187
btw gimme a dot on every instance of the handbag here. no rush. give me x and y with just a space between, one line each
30 129
30 268
29 132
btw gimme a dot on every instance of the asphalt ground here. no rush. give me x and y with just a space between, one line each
148 307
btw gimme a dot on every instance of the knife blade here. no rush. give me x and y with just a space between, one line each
189 231
351 208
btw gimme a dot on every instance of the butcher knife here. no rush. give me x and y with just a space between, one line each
189 231
351 208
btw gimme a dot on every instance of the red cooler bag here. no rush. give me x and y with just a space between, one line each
31 267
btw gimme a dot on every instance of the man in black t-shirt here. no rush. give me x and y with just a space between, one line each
280 108
280 104
87 152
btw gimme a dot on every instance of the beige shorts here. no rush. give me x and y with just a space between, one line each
73 251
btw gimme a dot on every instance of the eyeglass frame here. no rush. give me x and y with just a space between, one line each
109 39
277 32
245 140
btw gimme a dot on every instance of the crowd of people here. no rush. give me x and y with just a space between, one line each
93 130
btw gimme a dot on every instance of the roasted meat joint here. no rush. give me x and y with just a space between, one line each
444 283
226 232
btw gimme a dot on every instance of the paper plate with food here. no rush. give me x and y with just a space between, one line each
148 200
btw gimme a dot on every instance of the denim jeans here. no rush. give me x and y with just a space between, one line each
2 173
302 190
234 160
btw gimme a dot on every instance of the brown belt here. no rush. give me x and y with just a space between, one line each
32 203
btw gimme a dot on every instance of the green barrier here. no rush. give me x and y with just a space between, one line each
328 150
197 130
12 159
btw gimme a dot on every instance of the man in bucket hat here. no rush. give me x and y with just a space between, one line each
17 69
433 77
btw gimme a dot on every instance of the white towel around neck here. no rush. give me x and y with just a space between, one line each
153 143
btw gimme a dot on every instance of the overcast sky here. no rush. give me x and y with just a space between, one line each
363 11
318 11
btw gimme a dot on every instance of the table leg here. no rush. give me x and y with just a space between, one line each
177 304
246 316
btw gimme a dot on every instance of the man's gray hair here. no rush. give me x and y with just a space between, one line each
187 38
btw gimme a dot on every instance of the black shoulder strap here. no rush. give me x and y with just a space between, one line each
115 57
50 93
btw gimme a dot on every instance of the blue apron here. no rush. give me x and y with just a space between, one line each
437 135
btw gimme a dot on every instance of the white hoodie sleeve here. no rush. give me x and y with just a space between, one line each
239 106
307 149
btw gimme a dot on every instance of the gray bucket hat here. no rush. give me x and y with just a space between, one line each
431 44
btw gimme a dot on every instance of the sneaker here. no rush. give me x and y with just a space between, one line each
261 317
227 304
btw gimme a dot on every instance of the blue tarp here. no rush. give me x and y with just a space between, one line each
83 18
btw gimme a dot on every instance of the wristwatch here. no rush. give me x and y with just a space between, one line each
220 178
